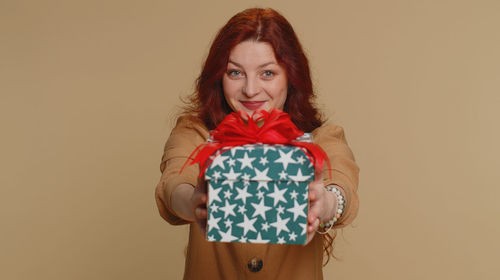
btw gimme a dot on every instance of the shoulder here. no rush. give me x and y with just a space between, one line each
188 133
190 121
328 132
190 125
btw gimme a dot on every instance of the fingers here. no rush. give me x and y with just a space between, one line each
203 199
311 227
200 213
311 231
312 215
200 206
199 199
312 195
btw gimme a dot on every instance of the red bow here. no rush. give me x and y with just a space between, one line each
277 128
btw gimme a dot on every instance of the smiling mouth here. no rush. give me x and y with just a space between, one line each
252 105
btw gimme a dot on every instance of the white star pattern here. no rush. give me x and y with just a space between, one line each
262 185
297 210
229 183
242 194
280 209
265 226
242 209
262 178
263 161
216 175
214 208
277 195
227 194
301 160
285 159
219 161
303 226
213 194
230 177
246 161
228 223
226 236
261 175
260 209
280 224
246 190
260 194
247 224
283 175
213 223
228 209
299 177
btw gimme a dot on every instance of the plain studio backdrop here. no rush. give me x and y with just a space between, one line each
89 91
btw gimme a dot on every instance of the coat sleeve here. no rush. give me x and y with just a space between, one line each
345 171
188 133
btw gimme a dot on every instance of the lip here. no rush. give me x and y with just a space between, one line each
252 105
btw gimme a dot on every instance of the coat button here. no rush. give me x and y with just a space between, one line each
255 265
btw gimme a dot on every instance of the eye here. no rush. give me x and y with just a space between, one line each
268 74
234 73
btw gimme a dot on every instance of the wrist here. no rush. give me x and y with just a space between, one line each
333 205
337 207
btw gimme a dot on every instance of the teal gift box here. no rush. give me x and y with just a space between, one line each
258 193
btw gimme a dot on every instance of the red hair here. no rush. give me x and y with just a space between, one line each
261 25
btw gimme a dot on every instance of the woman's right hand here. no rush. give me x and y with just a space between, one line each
199 205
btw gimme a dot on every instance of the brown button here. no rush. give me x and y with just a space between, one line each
255 265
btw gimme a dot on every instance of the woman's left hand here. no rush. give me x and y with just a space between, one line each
321 206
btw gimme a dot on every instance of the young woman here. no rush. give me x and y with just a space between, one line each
256 63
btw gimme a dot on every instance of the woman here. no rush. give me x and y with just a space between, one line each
255 63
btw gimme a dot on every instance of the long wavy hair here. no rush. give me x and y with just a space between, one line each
260 25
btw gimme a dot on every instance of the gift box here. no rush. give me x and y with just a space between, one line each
258 193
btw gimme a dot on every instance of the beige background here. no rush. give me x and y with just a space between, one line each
89 92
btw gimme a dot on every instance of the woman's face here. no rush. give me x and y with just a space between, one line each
254 80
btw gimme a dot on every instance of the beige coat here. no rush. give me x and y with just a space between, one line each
214 260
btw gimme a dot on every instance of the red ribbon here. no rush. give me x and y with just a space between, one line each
239 129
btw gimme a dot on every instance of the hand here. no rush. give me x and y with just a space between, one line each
199 204
321 206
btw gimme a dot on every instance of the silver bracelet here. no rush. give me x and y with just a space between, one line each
338 211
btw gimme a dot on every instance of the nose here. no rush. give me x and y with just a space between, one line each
252 87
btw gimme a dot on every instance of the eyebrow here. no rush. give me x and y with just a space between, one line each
260 66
